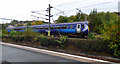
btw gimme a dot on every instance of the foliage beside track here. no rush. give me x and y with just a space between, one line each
105 25
75 45
111 33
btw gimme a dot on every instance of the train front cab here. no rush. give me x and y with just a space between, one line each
82 30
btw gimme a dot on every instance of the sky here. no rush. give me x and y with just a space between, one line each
21 9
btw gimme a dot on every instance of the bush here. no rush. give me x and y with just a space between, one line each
61 41
3 35
4 31
30 33
85 45
13 33
43 40
111 33
91 35
90 45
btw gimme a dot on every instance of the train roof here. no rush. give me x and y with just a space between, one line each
50 24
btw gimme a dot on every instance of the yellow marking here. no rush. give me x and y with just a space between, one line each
48 33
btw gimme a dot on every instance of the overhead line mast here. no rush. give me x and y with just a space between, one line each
49 10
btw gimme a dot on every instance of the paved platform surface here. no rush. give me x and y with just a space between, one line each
14 54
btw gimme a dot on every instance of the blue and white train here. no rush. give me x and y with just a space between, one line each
73 28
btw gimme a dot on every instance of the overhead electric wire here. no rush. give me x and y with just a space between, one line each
57 9
38 17
6 19
60 11
40 14
93 5
98 4
88 6
65 4
39 11
69 3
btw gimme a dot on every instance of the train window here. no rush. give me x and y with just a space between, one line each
12 29
64 27
18 29
46 27
71 26
41 27
82 25
52 27
57 27
37 28
15 29
32 27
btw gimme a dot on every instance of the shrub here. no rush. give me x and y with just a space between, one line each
30 33
13 33
111 33
4 31
43 40
91 35
85 45
94 45
3 35
61 41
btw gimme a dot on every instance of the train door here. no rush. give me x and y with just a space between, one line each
78 28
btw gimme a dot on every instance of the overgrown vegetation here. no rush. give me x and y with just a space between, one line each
29 32
62 40
111 33
104 33
75 45
103 25
107 26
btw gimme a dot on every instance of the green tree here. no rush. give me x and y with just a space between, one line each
71 19
111 33
4 31
93 20
82 17
4 26
77 17
62 19
97 19
29 24
14 22
107 16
